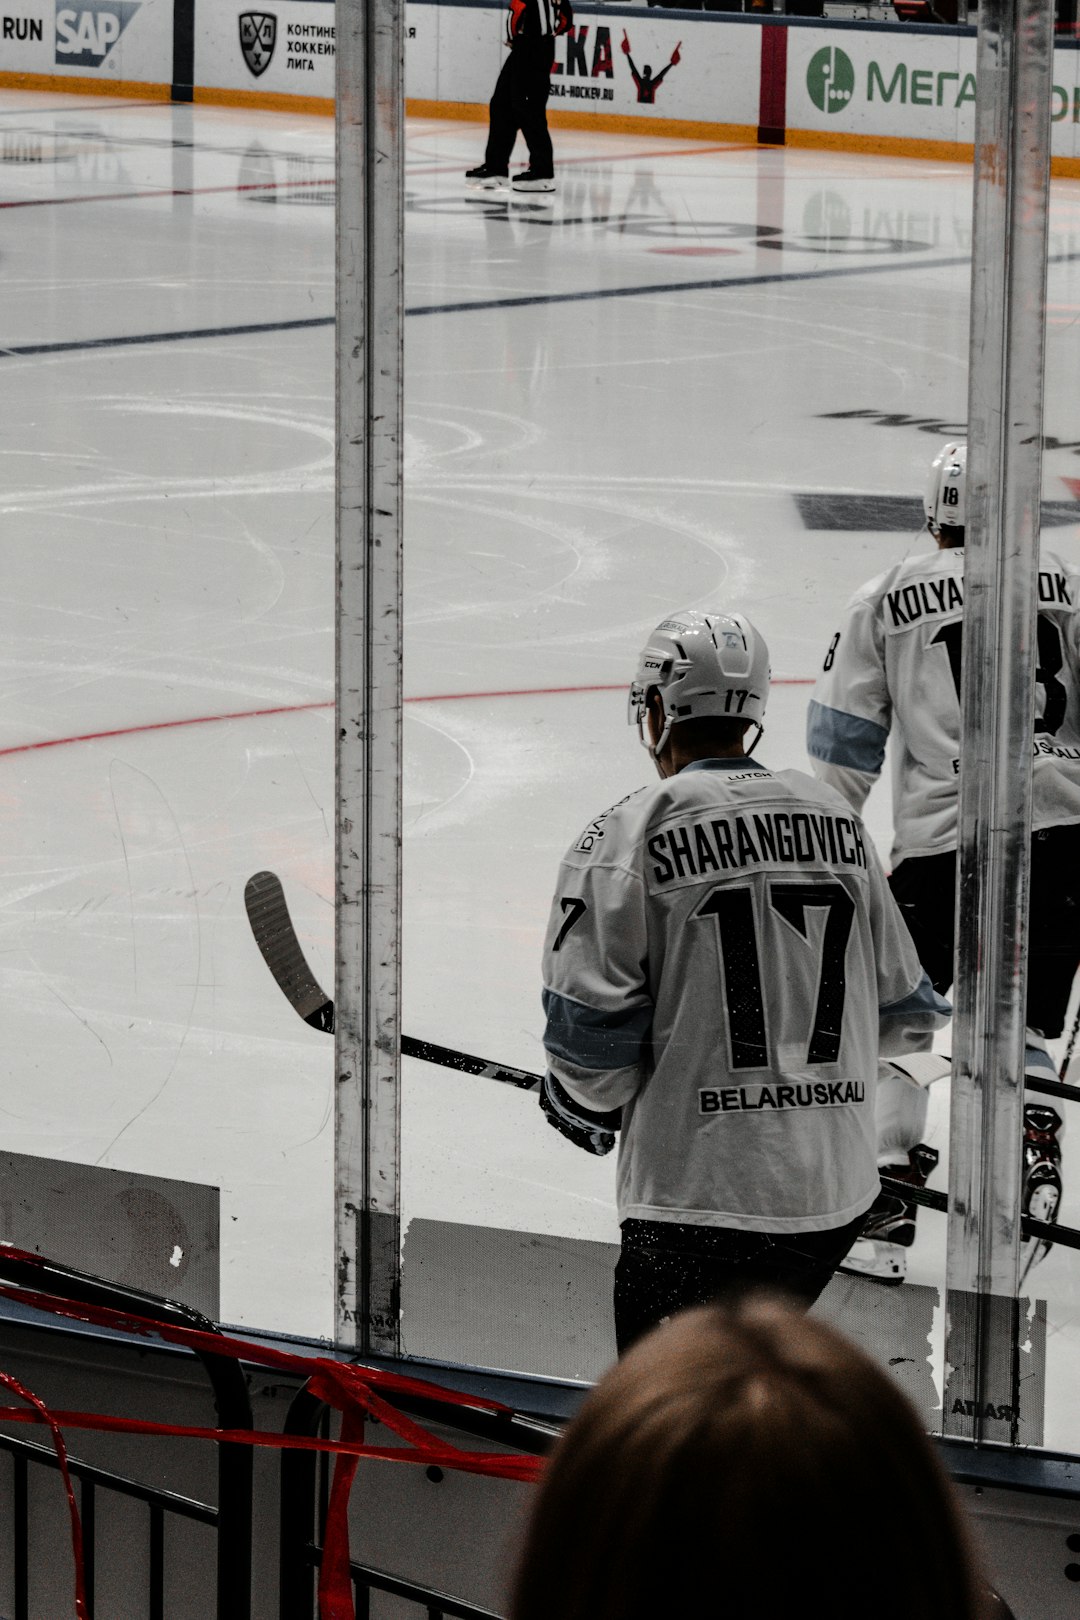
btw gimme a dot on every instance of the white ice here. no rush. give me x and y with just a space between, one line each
573 470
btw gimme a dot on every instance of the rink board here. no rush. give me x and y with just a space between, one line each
854 86
535 1303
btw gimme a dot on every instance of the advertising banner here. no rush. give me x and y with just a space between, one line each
287 47
906 85
632 61
655 66
110 40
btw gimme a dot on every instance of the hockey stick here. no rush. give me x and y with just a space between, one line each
1072 1042
268 913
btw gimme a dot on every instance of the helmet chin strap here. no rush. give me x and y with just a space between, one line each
657 747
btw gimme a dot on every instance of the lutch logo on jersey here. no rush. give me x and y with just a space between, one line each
86 34
830 79
258 35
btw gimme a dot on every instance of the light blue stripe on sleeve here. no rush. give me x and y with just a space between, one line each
844 739
592 1039
923 1000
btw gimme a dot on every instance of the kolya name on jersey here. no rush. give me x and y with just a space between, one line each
927 598
86 34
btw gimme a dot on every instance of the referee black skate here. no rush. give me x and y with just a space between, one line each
894 666
723 964
519 102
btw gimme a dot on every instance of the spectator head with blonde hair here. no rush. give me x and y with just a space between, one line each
746 1463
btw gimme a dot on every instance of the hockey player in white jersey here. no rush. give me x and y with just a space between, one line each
894 667
722 961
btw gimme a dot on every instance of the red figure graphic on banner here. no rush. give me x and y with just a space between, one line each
648 84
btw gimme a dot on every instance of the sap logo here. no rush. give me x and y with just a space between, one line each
85 35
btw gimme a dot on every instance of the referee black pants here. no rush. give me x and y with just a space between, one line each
925 889
668 1266
519 102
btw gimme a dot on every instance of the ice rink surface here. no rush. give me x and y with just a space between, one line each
689 380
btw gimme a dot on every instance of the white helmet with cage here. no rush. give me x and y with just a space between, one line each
702 664
946 488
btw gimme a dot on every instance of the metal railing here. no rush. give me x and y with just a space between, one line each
160 1505
305 1494
231 1518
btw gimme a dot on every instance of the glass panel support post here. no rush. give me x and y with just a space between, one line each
1005 395
370 320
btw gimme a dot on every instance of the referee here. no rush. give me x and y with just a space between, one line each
520 98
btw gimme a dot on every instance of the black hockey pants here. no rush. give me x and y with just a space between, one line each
520 103
925 886
667 1266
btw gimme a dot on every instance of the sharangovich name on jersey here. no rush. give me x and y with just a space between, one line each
749 1099
759 838
932 598
85 34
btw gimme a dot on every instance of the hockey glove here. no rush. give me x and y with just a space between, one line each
587 1129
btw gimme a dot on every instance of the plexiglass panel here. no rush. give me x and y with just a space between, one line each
167 632
699 375
734 402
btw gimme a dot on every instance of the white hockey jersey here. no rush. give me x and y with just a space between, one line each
722 956
894 664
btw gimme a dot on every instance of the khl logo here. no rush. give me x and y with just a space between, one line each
85 34
830 79
258 33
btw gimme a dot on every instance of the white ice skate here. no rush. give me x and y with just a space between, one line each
1043 1130
880 1250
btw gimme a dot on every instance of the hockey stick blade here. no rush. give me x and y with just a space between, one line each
268 913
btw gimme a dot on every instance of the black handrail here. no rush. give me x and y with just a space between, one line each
439 1605
304 1485
227 1381
92 1479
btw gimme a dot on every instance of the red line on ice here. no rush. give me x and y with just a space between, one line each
325 703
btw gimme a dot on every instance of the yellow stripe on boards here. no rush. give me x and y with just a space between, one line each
268 100
79 86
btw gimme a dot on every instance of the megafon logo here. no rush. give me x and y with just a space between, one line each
86 34
830 79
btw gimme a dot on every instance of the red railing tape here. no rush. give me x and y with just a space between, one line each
351 1390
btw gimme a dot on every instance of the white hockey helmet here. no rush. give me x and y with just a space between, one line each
946 488
713 664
